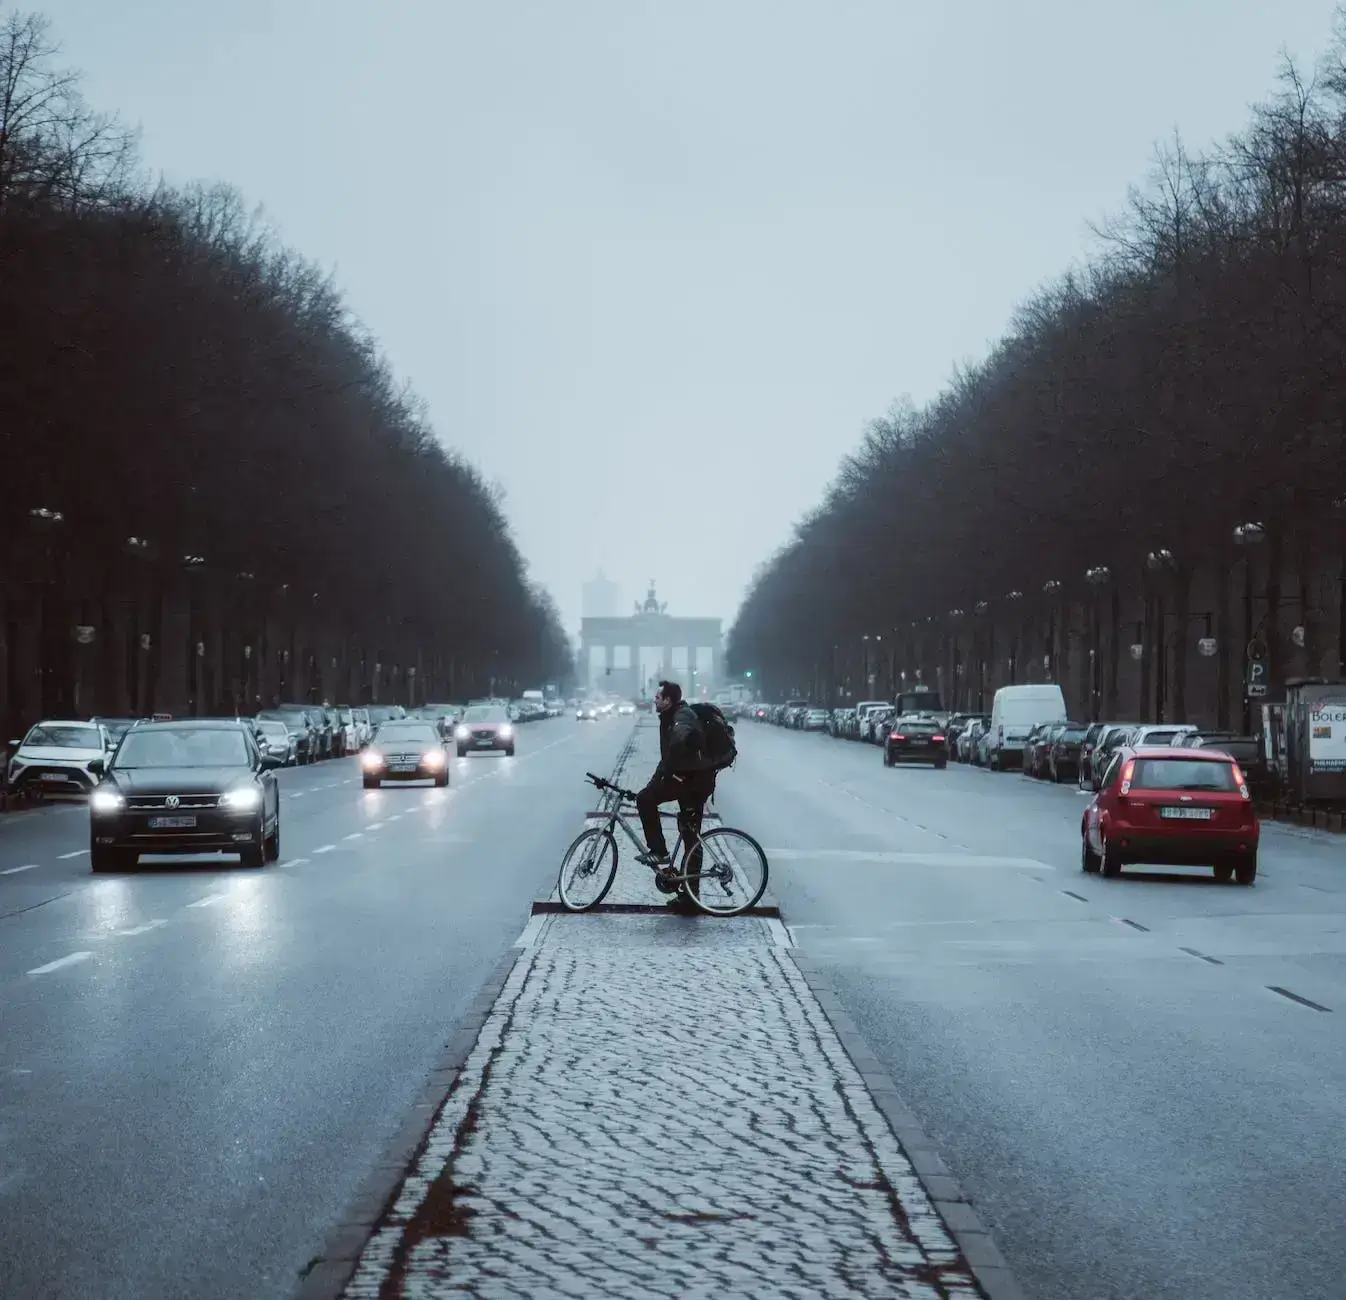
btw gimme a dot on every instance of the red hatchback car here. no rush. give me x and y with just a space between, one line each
1172 807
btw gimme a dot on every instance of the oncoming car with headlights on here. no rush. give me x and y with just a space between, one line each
189 787
405 750
485 726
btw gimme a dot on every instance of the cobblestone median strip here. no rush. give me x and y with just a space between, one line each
650 1116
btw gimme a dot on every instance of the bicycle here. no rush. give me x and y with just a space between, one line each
729 887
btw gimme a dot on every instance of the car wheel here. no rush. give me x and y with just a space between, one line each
462 753
941 764
1089 860
1245 868
1112 864
271 845
441 780
887 759
104 858
509 753
372 783
1224 871
253 856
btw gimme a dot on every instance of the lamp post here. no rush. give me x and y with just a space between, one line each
1246 536
1050 589
1012 662
955 658
1098 577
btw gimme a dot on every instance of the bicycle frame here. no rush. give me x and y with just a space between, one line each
614 818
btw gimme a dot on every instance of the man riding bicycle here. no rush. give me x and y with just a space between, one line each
684 775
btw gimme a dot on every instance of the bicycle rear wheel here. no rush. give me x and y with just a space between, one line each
587 870
733 872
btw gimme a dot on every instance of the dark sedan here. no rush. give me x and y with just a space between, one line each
405 751
485 726
916 740
195 786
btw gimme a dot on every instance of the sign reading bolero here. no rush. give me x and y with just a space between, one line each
1327 737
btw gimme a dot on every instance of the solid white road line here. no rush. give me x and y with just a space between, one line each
141 929
326 848
78 853
14 871
60 962
209 900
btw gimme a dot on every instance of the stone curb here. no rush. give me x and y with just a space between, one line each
946 1194
334 1266
549 907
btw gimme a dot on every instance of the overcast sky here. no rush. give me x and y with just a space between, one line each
655 263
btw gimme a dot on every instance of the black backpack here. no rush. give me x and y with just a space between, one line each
720 748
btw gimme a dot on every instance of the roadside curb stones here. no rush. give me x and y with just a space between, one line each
328 1273
943 1189
560 1166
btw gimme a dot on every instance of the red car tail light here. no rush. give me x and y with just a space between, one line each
1241 781
1127 773
897 735
936 740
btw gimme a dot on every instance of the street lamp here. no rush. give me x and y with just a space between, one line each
1162 559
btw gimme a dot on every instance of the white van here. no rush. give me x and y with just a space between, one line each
1015 711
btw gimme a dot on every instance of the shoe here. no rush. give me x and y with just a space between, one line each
681 903
648 859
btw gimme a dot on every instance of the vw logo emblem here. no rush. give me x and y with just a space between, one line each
171 802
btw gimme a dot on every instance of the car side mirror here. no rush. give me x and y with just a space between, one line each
97 767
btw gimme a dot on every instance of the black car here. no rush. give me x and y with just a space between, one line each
193 786
1063 761
405 750
916 740
297 724
485 726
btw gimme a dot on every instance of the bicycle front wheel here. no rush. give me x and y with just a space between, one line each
587 870
733 872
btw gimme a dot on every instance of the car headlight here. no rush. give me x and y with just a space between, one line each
106 801
506 729
371 759
460 732
434 758
244 799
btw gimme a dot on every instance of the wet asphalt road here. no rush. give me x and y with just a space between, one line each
208 1061
1133 1120
198 1067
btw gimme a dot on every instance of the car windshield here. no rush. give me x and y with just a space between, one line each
1072 734
272 727
54 736
1182 774
910 725
184 747
407 733
484 713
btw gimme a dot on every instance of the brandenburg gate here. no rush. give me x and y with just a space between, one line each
652 642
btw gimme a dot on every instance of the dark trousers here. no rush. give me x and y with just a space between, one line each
690 794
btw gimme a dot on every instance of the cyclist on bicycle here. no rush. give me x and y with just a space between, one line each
683 776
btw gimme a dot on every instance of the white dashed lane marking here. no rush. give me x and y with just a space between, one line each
209 900
326 848
142 929
60 963
78 853
354 835
14 871
292 862
298 794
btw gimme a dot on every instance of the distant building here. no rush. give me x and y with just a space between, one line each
600 598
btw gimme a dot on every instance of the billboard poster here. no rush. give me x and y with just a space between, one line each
1327 736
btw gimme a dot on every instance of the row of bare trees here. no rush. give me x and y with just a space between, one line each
1184 390
199 444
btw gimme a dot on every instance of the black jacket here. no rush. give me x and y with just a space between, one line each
682 742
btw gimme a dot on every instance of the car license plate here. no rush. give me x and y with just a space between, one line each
172 823
54 776
402 767
1187 814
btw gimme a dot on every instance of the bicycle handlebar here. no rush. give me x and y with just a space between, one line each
604 784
